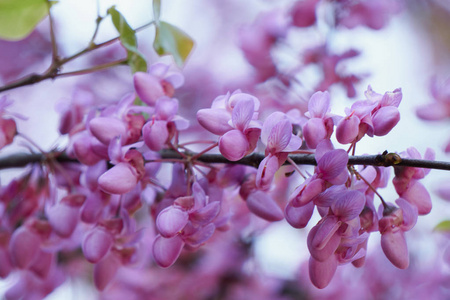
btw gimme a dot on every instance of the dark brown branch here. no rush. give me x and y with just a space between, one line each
22 159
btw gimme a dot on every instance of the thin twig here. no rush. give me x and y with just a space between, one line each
54 69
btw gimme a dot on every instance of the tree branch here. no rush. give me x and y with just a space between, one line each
22 159
54 69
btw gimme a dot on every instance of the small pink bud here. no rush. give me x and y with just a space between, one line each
214 120
171 220
233 145
148 87
63 218
120 179
96 244
167 250
155 134
7 131
321 273
385 119
42 265
105 270
347 129
106 128
394 247
24 247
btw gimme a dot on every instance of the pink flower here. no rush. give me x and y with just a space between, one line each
373 14
320 125
407 185
188 221
304 13
257 39
392 226
158 82
127 172
277 135
234 117
8 129
375 116
440 108
163 124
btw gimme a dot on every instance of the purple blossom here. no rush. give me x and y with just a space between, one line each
158 82
277 135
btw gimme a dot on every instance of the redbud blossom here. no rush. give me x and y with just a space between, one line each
320 125
158 82
277 135
392 226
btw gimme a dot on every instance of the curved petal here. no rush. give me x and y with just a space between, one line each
394 247
214 120
417 194
279 136
321 273
332 164
206 214
148 87
347 129
63 219
167 250
269 123
233 145
242 114
201 235
385 119
349 205
106 128
266 171
105 271
314 132
24 247
319 104
96 244
120 179
166 108
171 221
262 205
298 217
155 134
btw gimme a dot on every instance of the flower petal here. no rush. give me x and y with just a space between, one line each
262 205
298 217
120 179
394 247
233 145
243 113
171 220
96 244
214 120
167 250
319 104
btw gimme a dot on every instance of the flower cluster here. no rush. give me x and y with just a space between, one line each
139 188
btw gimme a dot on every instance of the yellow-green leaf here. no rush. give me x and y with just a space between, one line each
172 40
136 60
443 226
18 18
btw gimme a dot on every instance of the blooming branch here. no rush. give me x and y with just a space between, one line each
19 160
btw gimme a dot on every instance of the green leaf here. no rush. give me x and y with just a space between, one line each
443 226
172 40
136 60
18 18
156 9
